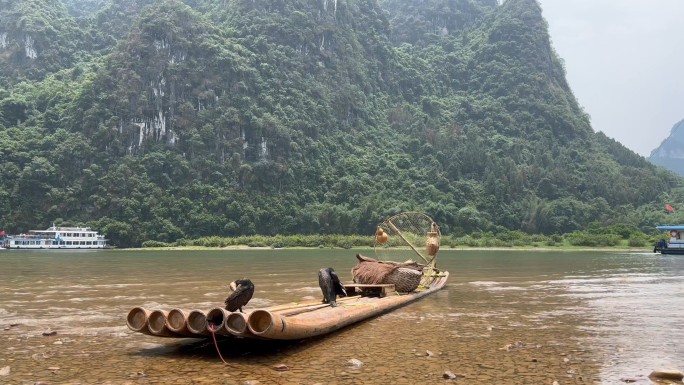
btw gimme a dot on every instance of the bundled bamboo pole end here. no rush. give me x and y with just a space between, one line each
236 324
216 318
177 321
156 322
136 319
259 321
197 322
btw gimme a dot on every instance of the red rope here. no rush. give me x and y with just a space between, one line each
211 327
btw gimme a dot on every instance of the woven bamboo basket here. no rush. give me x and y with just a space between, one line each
405 280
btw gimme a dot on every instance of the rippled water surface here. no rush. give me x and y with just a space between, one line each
505 317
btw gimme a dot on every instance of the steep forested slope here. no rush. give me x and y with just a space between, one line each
169 119
36 37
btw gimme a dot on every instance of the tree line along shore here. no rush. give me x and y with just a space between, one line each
621 237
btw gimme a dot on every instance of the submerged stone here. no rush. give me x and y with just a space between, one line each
448 375
674 375
354 363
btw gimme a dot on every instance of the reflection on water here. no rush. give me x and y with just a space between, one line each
504 317
634 315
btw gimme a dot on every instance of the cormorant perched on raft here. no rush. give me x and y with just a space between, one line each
242 291
330 286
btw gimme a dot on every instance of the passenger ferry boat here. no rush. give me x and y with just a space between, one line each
676 243
57 238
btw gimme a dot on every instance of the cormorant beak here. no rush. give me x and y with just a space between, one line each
233 286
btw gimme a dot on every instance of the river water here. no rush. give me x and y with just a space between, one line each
505 317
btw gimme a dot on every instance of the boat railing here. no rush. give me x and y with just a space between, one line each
30 236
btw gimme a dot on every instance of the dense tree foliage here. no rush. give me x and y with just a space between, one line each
169 119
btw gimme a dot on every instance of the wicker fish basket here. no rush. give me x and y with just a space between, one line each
405 280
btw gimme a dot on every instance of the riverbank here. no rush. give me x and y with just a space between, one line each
608 238
370 249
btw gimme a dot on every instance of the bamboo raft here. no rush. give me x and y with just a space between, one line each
380 286
292 321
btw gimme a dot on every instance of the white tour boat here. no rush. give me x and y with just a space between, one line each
57 238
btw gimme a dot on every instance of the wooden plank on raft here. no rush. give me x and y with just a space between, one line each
383 290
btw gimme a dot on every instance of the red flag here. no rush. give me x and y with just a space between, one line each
2 232
669 208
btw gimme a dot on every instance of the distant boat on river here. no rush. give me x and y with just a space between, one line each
676 243
56 238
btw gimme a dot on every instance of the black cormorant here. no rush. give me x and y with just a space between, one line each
330 286
243 289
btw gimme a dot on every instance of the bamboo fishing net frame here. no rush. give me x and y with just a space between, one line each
413 229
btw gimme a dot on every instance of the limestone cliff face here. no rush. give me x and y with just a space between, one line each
37 37
670 153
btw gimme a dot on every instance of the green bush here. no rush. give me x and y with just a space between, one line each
636 242
580 238
256 244
154 244
346 245
213 241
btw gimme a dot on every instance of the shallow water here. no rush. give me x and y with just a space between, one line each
504 317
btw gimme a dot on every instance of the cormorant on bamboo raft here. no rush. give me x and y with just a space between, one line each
330 286
378 286
242 292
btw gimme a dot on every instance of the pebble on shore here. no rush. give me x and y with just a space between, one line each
354 363
674 375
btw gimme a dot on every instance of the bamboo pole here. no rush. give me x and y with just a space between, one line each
340 301
294 306
291 305
396 230
302 309
197 322
177 322
278 326
216 318
156 322
136 320
236 324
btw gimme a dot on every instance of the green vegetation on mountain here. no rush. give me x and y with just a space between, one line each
166 120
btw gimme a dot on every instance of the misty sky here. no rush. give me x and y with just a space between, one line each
625 64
